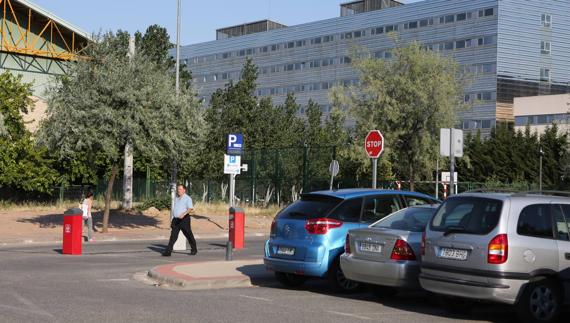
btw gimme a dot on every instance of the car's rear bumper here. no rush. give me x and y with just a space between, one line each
401 274
474 286
315 269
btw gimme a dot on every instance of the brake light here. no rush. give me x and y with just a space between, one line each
347 245
498 251
273 231
321 225
402 251
423 244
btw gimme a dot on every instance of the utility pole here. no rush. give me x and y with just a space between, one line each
128 154
174 166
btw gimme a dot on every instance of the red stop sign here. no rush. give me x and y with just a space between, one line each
374 144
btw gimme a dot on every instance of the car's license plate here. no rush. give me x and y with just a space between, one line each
370 247
286 251
456 254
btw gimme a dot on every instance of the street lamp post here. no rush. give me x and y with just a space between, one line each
174 166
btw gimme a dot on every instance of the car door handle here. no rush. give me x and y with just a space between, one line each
567 256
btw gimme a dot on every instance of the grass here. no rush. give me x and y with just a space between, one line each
220 208
216 208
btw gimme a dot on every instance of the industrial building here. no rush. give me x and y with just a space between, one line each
38 45
512 48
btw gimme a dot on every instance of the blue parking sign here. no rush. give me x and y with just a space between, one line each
235 144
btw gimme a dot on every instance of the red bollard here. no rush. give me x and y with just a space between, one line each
237 228
72 231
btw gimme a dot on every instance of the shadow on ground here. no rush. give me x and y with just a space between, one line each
118 219
258 275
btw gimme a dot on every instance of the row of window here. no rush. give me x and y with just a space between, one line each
478 124
480 96
475 69
462 43
300 88
543 119
452 18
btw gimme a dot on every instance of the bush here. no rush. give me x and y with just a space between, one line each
161 203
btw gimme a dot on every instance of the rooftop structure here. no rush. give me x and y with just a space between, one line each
248 28
356 7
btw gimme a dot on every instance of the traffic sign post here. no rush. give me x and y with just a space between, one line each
451 144
374 146
333 169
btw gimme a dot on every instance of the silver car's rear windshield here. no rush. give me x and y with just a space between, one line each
412 219
474 215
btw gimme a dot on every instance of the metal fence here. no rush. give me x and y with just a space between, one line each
274 176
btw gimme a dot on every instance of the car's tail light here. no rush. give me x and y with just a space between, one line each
273 231
402 251
423 244
498 251
321 225
347 244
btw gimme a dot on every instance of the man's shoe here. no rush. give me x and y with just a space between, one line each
166 254
193 252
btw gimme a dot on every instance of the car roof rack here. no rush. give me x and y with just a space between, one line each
551 193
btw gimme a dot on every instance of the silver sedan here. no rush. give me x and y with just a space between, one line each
387 252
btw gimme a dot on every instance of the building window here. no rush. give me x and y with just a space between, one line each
545 47
545 74
448 45
249 51
377 30
424 23
462 16
357 34
487 12
546 20
327 39
215 77
486 124
391 28
460 44
290 44
413 25
449 19
300 43
316 41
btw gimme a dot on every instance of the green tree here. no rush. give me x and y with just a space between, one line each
409 98
107 100
22 165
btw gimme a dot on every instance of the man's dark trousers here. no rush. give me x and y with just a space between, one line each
177 225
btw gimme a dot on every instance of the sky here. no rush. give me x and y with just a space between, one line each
200 18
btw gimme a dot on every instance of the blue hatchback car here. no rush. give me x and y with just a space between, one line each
308 236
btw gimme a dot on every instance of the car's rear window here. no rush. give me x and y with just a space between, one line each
309 207
474 215
412 219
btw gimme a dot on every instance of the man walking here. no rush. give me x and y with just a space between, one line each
180 220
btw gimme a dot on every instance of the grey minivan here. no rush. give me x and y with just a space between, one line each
510 248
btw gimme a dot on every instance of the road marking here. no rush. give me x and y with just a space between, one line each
256 298
350 315
114 280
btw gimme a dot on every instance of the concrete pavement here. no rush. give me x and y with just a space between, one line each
211 274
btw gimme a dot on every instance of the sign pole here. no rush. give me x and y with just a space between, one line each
232 189
437 178
452 164
374 171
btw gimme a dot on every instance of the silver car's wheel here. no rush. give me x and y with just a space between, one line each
540 302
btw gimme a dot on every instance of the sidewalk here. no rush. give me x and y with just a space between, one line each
211 274
115 236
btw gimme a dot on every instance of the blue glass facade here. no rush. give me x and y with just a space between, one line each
503 43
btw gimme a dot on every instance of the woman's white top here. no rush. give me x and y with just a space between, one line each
85 209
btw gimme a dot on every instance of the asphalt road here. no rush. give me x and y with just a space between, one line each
38 284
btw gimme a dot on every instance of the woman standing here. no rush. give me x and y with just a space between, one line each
86 208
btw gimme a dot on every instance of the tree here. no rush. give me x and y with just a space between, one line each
22 165
409 98
107 100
